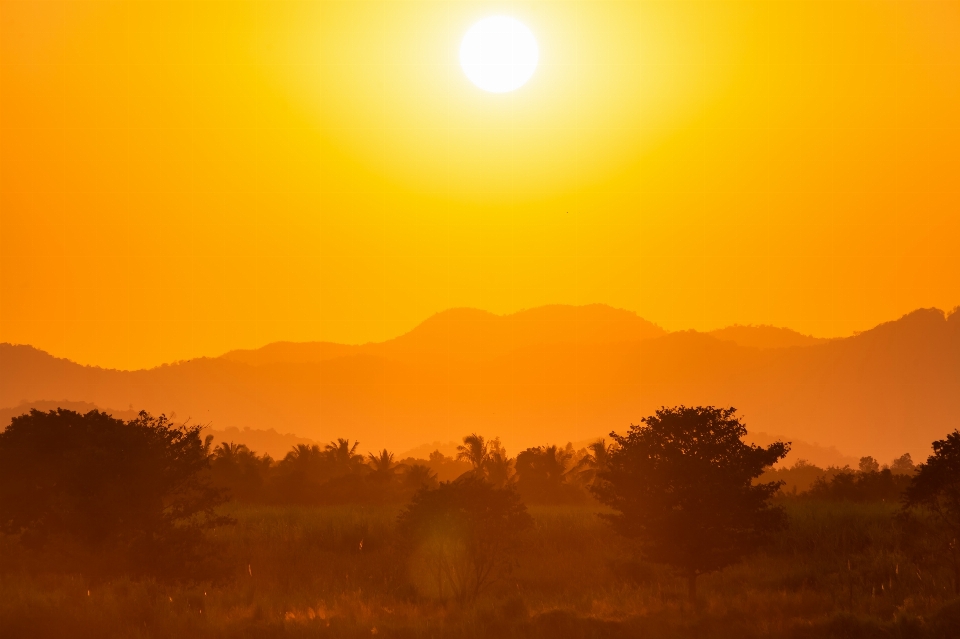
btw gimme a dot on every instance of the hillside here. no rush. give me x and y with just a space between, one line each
765 336
471 335
886 391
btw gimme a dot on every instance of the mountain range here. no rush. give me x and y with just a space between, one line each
550 374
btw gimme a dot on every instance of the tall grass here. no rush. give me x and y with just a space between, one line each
839 570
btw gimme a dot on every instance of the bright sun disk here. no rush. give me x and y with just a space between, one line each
499 54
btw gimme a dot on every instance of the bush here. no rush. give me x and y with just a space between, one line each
869 485
465 532
133 494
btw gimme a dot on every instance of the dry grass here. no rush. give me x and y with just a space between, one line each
841 570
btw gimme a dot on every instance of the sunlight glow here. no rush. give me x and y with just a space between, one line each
499 54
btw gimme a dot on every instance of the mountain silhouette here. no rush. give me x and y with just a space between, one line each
553 374
472 335
765 336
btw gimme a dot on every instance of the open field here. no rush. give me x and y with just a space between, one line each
839 570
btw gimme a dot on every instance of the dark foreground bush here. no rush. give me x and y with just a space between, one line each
465 532
107 495
873 485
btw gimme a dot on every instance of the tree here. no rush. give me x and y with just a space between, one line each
238 470
882 485
541 474
682 483
936 489
903 465
595 462
869 465
499 465
344 456
466 532
300 474
417 476
474 450
135 491
384 468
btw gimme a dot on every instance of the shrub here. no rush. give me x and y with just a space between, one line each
134 493
466 532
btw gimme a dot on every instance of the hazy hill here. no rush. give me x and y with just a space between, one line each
765 336
886 391
467 334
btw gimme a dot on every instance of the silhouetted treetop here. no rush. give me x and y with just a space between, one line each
682 483
936 488
937 482
137 487
474 451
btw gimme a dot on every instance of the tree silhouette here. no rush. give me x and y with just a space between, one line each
304 455
499 466
682 484
384 468
541 474
474 450
595 462
344 455
871 485
417 476
238 470
465 531
903 465
137 491
936 489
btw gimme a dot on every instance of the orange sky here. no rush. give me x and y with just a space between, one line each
184 177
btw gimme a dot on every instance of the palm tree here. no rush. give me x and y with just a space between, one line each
344 455
229 452
419 476
304 458
555 462
474 450
341 451
207 443
595 462
383 465
303 454
541 473
499 464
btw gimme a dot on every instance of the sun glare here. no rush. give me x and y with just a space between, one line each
499 54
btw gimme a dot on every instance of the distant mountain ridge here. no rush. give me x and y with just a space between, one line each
765 336
468 334
885 391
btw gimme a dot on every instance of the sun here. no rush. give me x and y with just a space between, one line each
499 54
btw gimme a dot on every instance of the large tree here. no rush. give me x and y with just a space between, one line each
136 492
936 489
683 484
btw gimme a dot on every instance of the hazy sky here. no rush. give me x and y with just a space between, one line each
183 177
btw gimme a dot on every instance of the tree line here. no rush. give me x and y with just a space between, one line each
338 474
139 495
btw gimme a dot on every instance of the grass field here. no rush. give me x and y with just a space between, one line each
839 570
